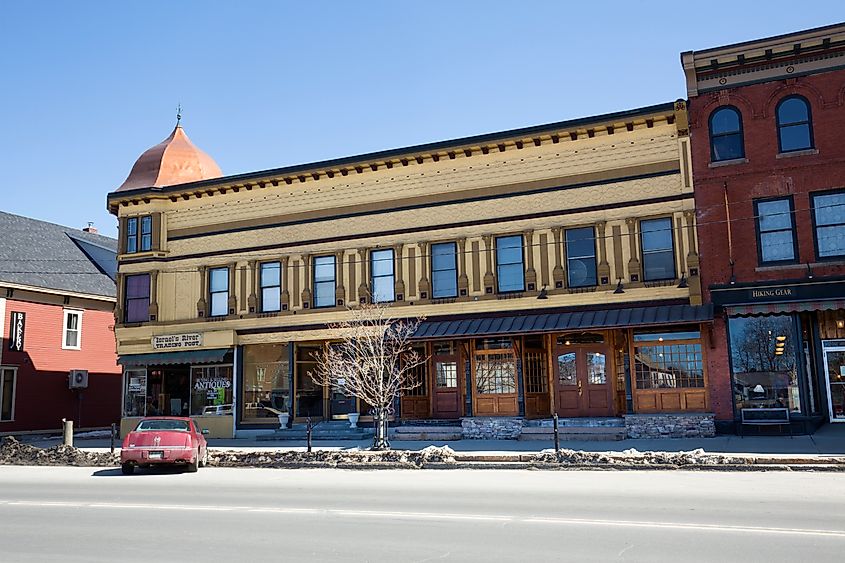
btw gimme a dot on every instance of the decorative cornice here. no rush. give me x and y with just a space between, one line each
516 139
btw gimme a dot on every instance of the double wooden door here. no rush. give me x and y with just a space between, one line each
582 382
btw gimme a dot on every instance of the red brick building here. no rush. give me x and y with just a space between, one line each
57 297
766 122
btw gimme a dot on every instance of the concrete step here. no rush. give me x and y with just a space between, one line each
585 433
425 432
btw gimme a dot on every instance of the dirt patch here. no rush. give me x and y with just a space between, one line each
13 452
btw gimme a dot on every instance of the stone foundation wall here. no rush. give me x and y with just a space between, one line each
491 428
678 425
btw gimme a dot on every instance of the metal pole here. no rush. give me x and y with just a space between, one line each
67 432
113 430
308 433
557 434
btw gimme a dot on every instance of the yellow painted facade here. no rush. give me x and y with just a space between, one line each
609 173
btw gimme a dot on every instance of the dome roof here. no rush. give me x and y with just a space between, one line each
175 160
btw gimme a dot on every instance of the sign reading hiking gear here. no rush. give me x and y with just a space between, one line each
171 341
16 331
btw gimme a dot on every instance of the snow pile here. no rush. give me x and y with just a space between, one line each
323 458
13 452
632 457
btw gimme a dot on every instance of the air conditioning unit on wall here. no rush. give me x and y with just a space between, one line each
77 379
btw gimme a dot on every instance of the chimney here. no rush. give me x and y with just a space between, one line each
90 228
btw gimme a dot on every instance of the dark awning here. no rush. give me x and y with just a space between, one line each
171 358
560 322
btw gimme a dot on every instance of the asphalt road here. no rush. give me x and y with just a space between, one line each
245 515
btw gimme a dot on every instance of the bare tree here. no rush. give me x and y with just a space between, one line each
374 361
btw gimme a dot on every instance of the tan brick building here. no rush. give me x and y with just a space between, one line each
556 266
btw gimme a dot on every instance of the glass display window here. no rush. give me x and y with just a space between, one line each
211 390
764 361
266 383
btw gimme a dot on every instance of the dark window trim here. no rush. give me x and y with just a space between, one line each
132 221
126 298
391 275
813 196
455 269
809 123
522 261
671 220
314 281
145 236
211 293
741 133
758 233
568 257
262 287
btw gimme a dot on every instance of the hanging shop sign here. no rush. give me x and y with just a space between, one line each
171 341
16 332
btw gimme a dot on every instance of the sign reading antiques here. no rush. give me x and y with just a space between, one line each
16 331
171 341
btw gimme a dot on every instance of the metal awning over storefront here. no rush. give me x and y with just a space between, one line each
172 358
560 322
784 307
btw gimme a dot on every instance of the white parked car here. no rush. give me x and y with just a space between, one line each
217 410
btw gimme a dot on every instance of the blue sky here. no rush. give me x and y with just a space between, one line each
88 86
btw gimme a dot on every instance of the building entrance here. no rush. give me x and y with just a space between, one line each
582 383
834 368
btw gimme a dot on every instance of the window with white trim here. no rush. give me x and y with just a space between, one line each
72 333
218 290
7 393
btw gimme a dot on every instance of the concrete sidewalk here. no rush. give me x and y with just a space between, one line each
827 441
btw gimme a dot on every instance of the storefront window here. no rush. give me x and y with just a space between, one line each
211 390
135 392
668 360
764 362
495 366
266 383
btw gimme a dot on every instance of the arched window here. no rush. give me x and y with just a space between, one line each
795 127
726 134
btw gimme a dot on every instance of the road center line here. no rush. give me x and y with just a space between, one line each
344 513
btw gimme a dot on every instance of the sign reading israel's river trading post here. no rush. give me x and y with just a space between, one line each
171 341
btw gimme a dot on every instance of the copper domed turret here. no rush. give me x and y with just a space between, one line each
175 160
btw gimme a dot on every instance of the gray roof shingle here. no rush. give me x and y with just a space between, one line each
50 256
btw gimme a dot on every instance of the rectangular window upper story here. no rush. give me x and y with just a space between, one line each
382 278
218 292
72 331
510 273
581 257
776 240
139 234
270 280
136 301
658 249
8 378
444 270
829 224
324 281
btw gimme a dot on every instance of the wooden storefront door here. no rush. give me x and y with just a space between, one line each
446 396
415 402
582 381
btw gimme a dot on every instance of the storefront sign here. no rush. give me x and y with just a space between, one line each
211 383
772 292
170 341
137 384
16 331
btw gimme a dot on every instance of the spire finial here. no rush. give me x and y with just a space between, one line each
178 114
